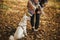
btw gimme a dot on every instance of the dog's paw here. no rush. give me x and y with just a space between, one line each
11 37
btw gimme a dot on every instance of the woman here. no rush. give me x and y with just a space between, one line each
34 9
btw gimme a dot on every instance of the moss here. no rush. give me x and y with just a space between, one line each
3 6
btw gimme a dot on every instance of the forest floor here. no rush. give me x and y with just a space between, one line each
48 30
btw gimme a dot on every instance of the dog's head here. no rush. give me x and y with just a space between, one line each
24 20
25 17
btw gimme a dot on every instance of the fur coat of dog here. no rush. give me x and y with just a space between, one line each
21 29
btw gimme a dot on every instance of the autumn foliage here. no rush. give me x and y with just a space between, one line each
11 13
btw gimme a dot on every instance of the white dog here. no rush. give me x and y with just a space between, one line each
21 29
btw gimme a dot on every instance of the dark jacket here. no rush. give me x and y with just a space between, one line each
41 2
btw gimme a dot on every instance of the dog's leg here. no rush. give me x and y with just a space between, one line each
25 31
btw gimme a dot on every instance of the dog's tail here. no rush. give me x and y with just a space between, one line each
11 37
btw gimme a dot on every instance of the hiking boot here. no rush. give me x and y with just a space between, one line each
36 29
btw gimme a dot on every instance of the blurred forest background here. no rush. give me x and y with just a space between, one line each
10 17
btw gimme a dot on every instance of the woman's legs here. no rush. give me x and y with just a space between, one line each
37 21
36 26
32 21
